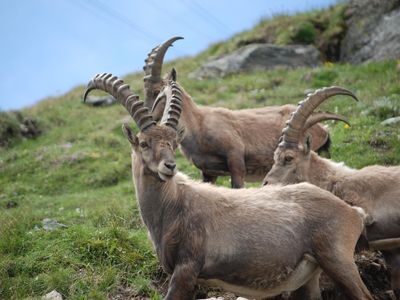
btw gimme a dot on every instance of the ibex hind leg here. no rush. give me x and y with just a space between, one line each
345 274
392 258
334 252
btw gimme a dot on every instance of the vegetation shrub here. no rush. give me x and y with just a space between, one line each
15 126
385 107
305 33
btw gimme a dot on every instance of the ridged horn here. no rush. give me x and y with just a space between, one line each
174 109
323 116
152 70
121 91
295 126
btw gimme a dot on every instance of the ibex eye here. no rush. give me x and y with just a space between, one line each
143 145
288 159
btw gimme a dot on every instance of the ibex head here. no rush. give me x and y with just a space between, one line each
292 156
154 146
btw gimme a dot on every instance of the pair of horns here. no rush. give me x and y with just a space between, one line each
303 118
138 109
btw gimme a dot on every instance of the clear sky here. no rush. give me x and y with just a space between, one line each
49 46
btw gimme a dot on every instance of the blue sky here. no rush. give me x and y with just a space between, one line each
49 46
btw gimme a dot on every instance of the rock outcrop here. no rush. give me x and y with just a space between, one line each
257 57
373 31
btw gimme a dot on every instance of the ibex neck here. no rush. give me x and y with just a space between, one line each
191 116
325 172
154 197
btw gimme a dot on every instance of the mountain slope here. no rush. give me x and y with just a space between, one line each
78 173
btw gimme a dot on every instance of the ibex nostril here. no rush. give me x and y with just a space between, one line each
170 165
265 182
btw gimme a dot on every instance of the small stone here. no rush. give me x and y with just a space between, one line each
50 225
53 295
241 298
100 101
11 204
307 77
391 121
66 145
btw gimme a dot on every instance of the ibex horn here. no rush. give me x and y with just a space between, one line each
121 91
322 116
295 126
152 70
174 109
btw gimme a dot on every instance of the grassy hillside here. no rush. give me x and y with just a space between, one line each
78 173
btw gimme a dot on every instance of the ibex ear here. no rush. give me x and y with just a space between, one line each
172 75
307 144
157 110
132 138
180 134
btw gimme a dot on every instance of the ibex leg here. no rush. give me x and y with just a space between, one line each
183 282
237 168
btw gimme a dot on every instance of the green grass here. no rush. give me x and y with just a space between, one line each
78 172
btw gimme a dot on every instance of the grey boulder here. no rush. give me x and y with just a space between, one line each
259 57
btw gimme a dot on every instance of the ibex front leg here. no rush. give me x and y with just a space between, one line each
209 178
183 282
237 168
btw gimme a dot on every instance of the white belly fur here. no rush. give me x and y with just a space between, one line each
304 271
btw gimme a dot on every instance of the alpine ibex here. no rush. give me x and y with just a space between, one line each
375 188
219 141
253 242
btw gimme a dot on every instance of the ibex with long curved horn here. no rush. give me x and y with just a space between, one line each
219 141
253 242
375 188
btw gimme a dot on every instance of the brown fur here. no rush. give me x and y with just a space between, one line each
251 238
374 188
239 143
